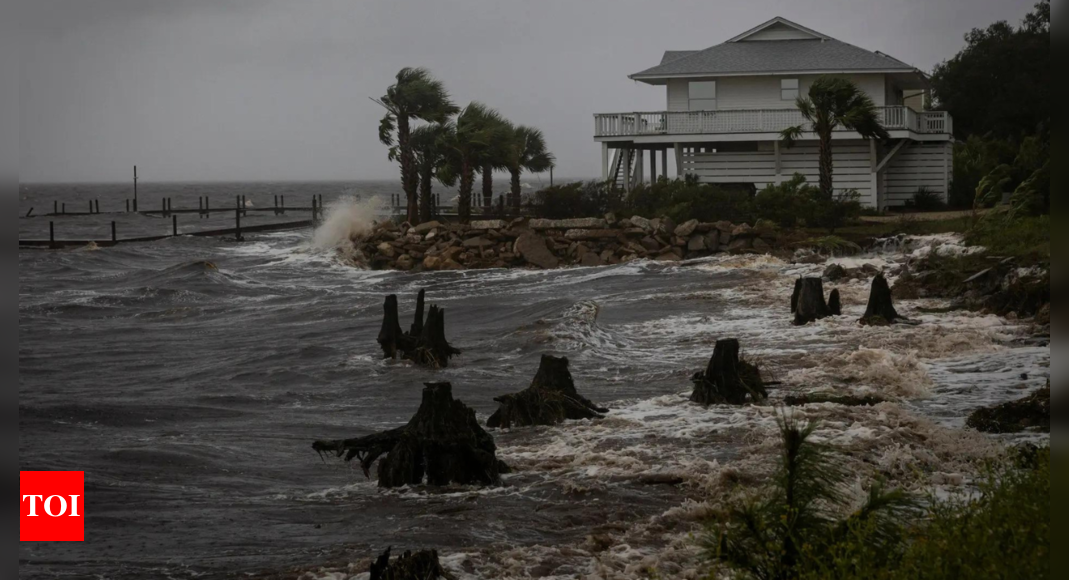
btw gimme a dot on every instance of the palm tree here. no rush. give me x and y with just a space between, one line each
832 103
477 130
526 151
494 158
428 145
415 95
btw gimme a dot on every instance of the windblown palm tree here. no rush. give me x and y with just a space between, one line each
428 145
415 95
526 151
493 159
832 103
478 129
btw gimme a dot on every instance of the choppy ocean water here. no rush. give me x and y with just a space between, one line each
188 377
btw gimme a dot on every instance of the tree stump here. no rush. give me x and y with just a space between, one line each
424 343
728 379
880 311
835 304
443 443
551 399
807 302
422 565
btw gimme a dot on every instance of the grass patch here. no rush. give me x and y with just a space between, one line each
1024 238
1001 531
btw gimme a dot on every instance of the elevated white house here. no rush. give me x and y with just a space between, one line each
726 106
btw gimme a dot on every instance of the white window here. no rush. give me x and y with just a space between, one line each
702 96
788 89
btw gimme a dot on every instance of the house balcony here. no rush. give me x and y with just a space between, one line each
742 124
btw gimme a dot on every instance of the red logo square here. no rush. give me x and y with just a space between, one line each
53 506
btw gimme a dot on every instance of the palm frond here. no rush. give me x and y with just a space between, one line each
791 135
387 126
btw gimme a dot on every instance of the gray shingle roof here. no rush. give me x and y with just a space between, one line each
670 55
773 56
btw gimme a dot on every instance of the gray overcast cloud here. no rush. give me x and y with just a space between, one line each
202 90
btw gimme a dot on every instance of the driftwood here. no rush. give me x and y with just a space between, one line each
807 301
880 311
1029 413
422 565
728 379
424 343
551 399
443 443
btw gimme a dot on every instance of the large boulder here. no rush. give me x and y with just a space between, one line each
478 242
582 234
488 225
532 247
641 222
685 229
696 243
425 227
568 224
591 259
650 244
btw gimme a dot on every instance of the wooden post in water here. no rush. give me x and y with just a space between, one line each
135 188
64 209
244 205
276 205
282 201
128 206
237 220
207 207
114 238
98 206
315 214
174 225
90 207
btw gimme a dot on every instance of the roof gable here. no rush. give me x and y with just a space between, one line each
779 29
778 46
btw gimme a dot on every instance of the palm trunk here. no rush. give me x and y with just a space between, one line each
467 180
488 186
826 169
515 189
426 196
409 175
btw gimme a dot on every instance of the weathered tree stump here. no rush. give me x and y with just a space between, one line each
443 443
835 304
551 399
422 565
728 379
424 343
807 302
881 310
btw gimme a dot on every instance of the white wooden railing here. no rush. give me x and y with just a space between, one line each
750 121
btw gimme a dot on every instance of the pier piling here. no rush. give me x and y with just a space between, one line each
114 238
174 225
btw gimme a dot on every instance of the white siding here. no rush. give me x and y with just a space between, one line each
779 32
852 160
678 95
917 165
763 92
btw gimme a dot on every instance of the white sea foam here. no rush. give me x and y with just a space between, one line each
346 219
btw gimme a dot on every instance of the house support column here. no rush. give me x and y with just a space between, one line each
679 160
653 167
874 174
640 172
626 160
604 161
948 151
664 162
779 162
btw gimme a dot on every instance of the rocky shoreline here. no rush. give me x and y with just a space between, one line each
547 244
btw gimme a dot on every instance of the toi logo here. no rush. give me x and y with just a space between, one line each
52 506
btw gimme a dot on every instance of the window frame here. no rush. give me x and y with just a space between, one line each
796 89
702 99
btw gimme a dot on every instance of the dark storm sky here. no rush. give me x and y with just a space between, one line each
206 90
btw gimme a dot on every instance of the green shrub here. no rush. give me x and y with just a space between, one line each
579 199
1026 238
925 199
683 200
790 204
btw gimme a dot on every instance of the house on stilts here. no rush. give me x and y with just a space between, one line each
726 106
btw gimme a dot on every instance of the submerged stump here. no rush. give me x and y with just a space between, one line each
728 379
424 343
442 443
881 310
807 301
551 399
422 565
835 303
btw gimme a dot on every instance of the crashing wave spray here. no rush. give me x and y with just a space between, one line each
347 219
